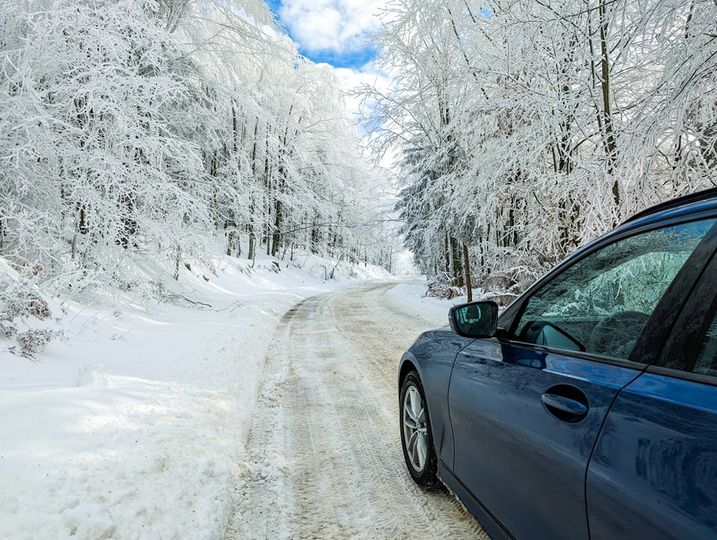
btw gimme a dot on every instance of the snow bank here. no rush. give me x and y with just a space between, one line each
131 425
410 296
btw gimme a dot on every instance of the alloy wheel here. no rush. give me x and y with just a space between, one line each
415 428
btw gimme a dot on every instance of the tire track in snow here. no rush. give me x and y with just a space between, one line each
323 456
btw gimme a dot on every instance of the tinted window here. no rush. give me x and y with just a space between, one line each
707 360
601 303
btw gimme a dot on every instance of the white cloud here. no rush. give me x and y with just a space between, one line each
339 27
331 25
351 79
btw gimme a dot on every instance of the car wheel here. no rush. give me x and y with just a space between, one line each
416 438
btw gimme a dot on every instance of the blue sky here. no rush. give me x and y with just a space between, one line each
330 31
337 32
353 59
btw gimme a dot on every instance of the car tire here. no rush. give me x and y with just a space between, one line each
416 435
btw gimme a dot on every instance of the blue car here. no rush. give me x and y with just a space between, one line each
588 408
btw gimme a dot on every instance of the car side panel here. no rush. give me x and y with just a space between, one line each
653 473
433 354
522 463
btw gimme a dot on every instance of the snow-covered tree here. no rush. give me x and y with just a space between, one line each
142 126
527 128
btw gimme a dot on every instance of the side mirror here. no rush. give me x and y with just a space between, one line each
474 320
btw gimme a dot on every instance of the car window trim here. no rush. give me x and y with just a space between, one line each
581 355
675 373
515 311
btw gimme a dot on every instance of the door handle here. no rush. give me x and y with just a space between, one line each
565 402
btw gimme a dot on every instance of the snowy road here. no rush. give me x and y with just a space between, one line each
323 457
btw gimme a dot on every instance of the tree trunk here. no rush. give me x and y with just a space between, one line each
608 132
467 273
456 271
278 221
251 254
177 260
447 255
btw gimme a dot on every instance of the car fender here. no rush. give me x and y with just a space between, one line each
433 355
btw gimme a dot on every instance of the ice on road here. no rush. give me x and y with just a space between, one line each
323 456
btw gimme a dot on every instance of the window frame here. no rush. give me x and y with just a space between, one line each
658 327
687 340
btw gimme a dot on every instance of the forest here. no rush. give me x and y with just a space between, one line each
522 129
529 127
170 128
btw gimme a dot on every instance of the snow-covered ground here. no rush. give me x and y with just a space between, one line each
411 297
129 426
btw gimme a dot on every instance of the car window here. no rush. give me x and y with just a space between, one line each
707 360
601 303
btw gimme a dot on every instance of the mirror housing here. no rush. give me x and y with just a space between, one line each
474 320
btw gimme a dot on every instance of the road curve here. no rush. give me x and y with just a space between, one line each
323 456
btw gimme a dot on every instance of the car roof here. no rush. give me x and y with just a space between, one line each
689 204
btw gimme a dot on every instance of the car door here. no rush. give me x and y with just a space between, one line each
526 409
654 470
